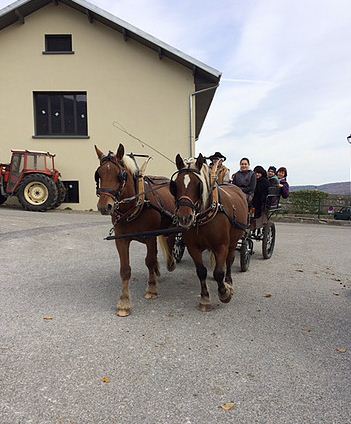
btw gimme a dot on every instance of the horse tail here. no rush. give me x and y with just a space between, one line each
167 252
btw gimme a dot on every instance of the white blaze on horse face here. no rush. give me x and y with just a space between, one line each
186 181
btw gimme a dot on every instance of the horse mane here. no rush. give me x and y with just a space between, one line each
129 164
204 178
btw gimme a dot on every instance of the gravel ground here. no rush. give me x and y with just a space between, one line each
280 351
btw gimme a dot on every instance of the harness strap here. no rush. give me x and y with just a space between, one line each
233 220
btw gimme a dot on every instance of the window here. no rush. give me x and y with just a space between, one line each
60 114
56 44
72 191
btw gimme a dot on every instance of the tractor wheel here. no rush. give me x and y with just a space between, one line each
37 192
2 199
61 193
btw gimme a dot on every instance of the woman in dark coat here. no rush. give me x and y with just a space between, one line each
261 190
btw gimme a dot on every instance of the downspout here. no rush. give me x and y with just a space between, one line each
191 114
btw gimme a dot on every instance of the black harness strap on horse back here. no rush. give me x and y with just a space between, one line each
159 207
233 220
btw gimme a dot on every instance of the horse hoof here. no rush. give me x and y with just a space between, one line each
171 267
149 295
226 297
229 280
123 312
204 307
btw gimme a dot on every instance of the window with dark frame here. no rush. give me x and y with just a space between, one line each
58 43
72 191
60 114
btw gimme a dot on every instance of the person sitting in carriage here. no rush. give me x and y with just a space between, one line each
245 179
261 191
283 184
272 177
222 170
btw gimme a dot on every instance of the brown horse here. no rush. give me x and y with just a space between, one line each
215 217
136 204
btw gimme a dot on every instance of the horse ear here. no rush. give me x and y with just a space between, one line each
173 188
98 152
120 152
179 162
199 162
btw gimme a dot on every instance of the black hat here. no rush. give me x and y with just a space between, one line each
217 155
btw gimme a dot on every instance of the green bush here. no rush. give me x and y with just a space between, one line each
307 201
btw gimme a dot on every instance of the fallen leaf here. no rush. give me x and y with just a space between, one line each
267 295
336 279
336 294
48 317
299 270
228 406
341 349
106 379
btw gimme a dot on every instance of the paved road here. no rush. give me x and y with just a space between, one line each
275 357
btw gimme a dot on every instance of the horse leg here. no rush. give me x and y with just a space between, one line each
225 290
229 263
124 304
201 271
152 265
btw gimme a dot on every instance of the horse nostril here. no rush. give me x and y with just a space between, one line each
109 207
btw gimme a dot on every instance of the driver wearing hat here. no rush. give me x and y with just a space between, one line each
223 174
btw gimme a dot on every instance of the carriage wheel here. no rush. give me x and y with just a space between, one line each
178 248
245 254
268 240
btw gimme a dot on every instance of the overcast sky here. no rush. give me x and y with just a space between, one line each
285 93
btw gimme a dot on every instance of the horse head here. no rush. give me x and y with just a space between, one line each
111 178
190 189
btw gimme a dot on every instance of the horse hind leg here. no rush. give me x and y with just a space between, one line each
229 262
152 265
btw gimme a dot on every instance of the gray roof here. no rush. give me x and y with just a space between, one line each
204 75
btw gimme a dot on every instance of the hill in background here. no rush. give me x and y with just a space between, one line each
331 188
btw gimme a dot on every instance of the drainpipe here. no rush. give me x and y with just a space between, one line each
191 114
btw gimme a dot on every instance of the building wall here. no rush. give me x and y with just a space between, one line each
124 80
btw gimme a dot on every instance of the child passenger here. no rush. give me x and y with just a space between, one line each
272 178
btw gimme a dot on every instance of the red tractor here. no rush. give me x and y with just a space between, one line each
32 177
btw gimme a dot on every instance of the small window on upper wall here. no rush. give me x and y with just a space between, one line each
58 44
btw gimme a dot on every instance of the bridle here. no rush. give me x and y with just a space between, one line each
122 178
186 200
